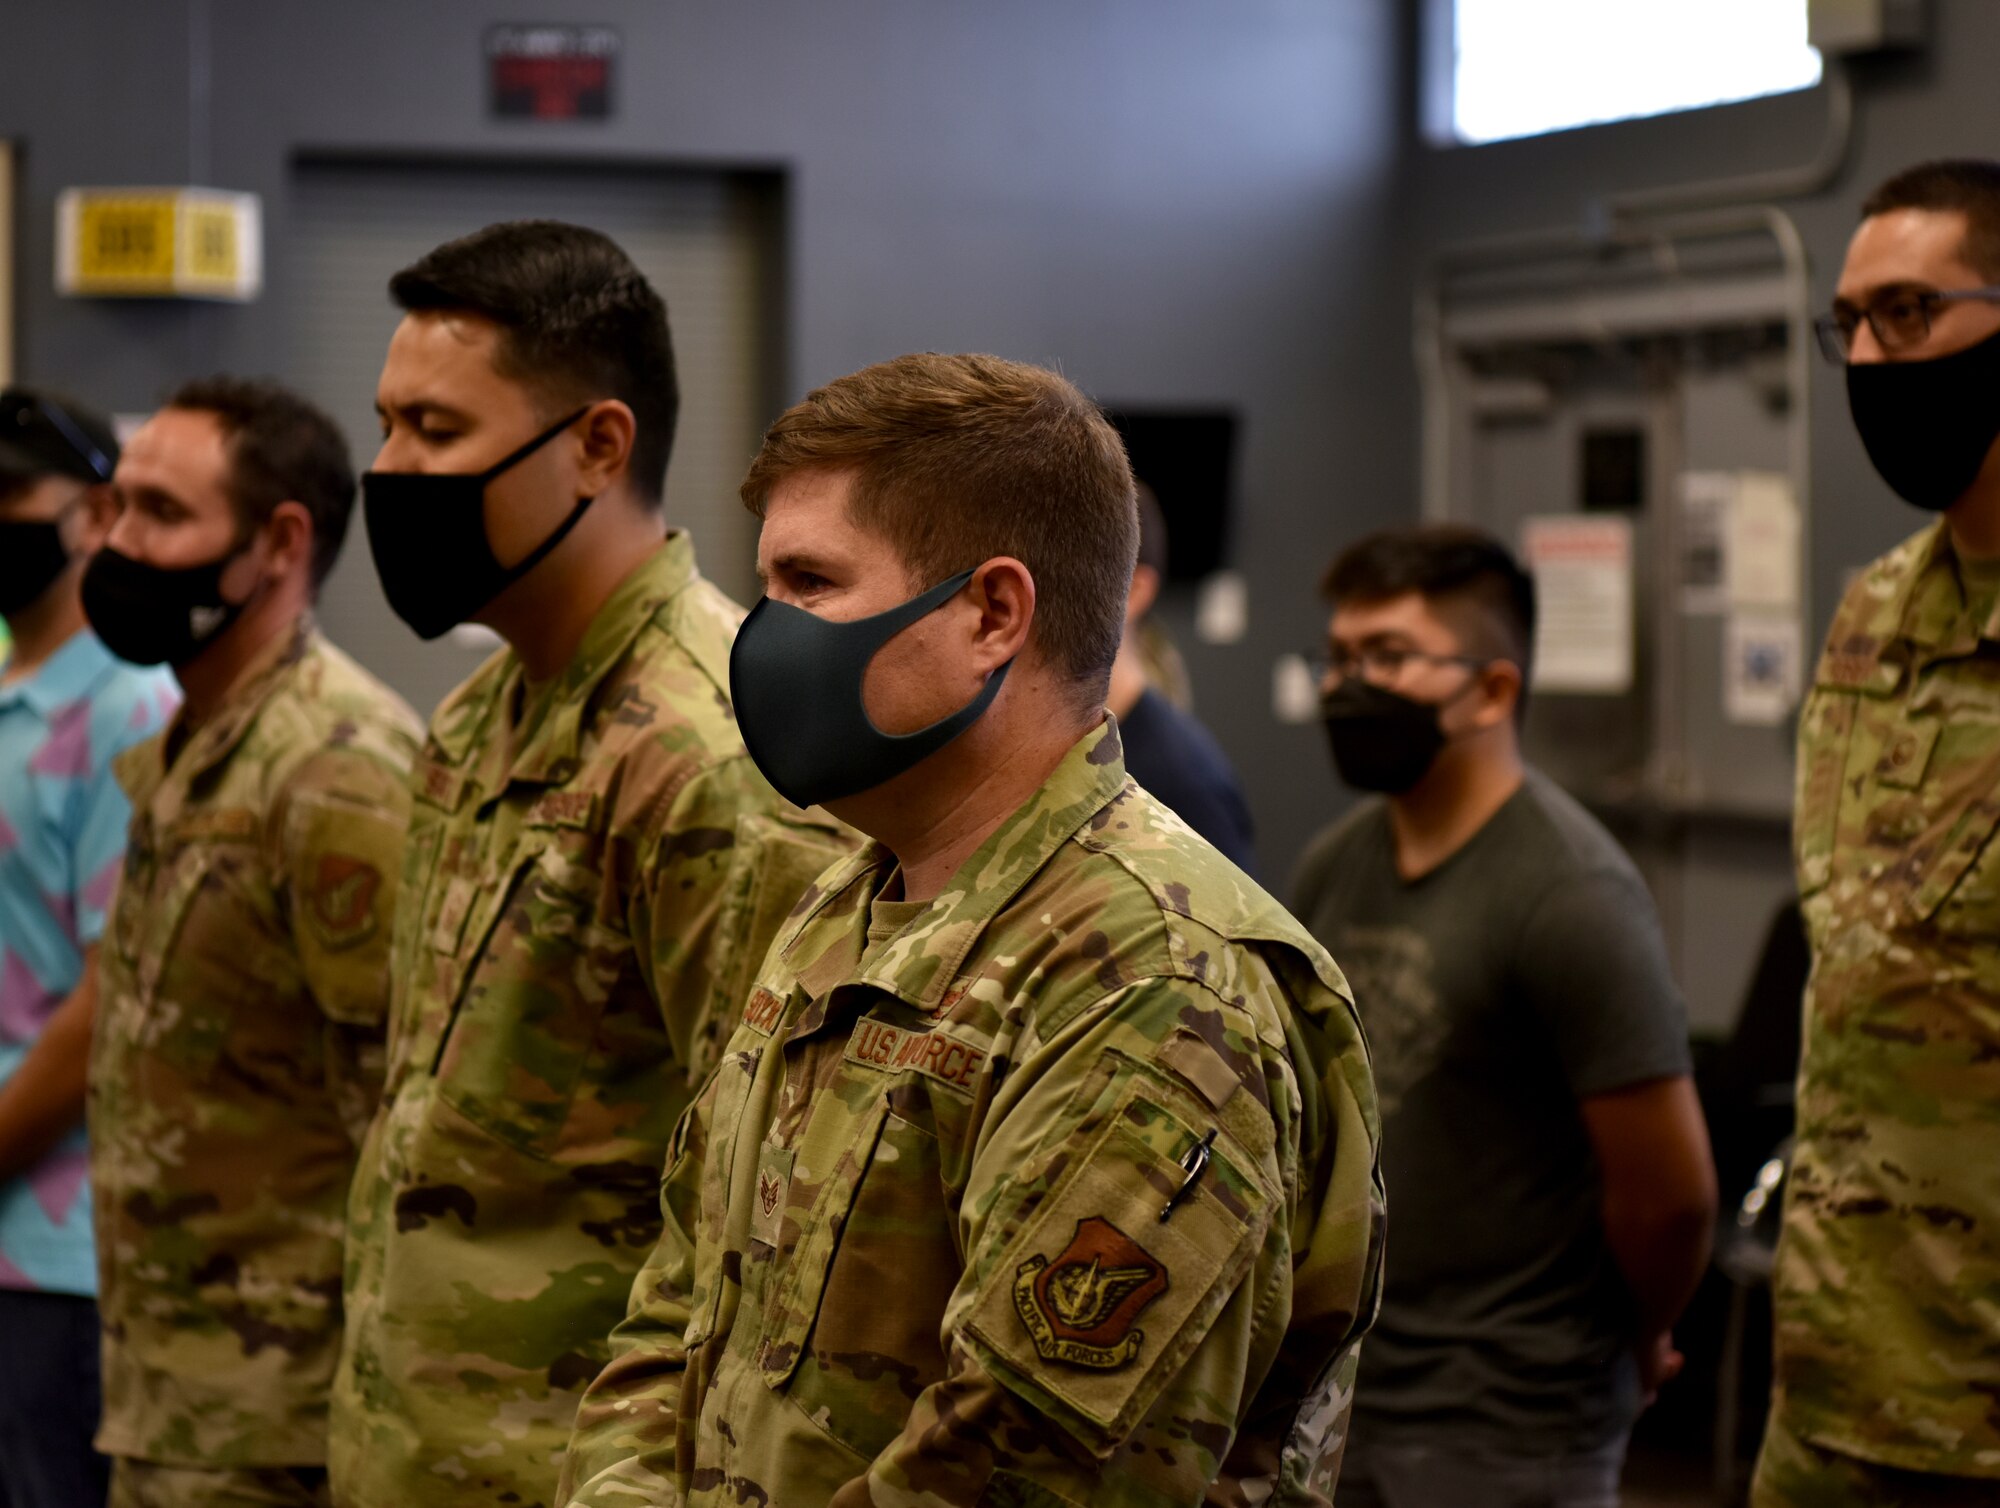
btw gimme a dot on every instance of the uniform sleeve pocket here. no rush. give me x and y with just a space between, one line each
1098 1302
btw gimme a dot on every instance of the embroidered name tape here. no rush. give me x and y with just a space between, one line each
876 1044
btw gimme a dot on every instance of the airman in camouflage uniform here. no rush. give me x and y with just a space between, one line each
1058 1189
593 871
1887 1284
1888 1342
236 1061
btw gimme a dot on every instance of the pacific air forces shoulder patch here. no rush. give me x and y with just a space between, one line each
1081 1307
342 907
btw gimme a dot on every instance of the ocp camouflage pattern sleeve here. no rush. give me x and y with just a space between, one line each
342 824
1063 1192
1887 1287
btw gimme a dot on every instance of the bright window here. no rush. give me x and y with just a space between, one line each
1523 67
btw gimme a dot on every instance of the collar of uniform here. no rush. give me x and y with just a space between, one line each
69 675
214 740
1919 613
919 964
550 750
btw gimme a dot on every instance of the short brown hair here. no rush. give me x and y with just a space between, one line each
958 459
281 449
1969 186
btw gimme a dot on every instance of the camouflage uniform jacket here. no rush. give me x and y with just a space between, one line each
594 870
1059 1190
1888 1278
237 1056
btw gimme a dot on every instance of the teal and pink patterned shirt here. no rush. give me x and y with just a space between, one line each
62 837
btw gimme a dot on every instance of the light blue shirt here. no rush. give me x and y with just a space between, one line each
62 837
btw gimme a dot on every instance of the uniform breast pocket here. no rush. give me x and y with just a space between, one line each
195 948
860 1311
533 982
1940 821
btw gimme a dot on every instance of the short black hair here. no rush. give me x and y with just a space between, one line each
578 323
1968 185
281 449
1445 563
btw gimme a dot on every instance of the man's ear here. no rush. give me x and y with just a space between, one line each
1501 680
606 435
289 536
1004 591
1144 593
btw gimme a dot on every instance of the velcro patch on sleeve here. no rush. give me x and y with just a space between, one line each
1098 1302
342 907
935 1053
762 1014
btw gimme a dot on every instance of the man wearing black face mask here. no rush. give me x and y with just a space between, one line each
595 864
67 707
238 1044
1554 1194
1888 1346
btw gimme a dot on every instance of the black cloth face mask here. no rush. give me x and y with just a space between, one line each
1382 740
150 614
1928 425
796 680
427 532
32 555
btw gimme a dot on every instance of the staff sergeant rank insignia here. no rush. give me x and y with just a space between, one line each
1080 1307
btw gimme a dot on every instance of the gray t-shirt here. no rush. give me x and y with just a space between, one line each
1523 974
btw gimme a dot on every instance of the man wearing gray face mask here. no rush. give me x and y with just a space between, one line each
1888 1350
1540 1133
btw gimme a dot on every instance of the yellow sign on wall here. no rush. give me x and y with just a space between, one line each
159 243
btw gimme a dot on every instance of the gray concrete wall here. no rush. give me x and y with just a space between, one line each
1178 201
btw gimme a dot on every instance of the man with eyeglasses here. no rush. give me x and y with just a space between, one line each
1539 1128
1887 1286
66 707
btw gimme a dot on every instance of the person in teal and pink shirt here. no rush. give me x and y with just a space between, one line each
66 707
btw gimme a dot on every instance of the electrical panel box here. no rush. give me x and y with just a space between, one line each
1630 415
1848 26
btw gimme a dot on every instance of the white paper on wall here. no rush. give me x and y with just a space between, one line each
1582 565
1762 554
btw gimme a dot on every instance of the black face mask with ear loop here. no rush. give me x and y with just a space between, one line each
797 680
32 555
1382 740
1928 425
427 532
150 615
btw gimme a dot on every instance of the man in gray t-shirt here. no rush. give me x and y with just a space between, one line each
1545 1153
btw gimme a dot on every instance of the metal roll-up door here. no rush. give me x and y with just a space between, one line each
706 240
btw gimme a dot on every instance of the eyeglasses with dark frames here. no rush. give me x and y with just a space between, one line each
1901 319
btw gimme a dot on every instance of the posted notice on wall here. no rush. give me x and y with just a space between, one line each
1739 542
1582 565
1763 656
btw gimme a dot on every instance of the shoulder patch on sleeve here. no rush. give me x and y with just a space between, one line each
1099 1302
342 908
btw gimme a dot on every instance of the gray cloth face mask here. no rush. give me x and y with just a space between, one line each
797 679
